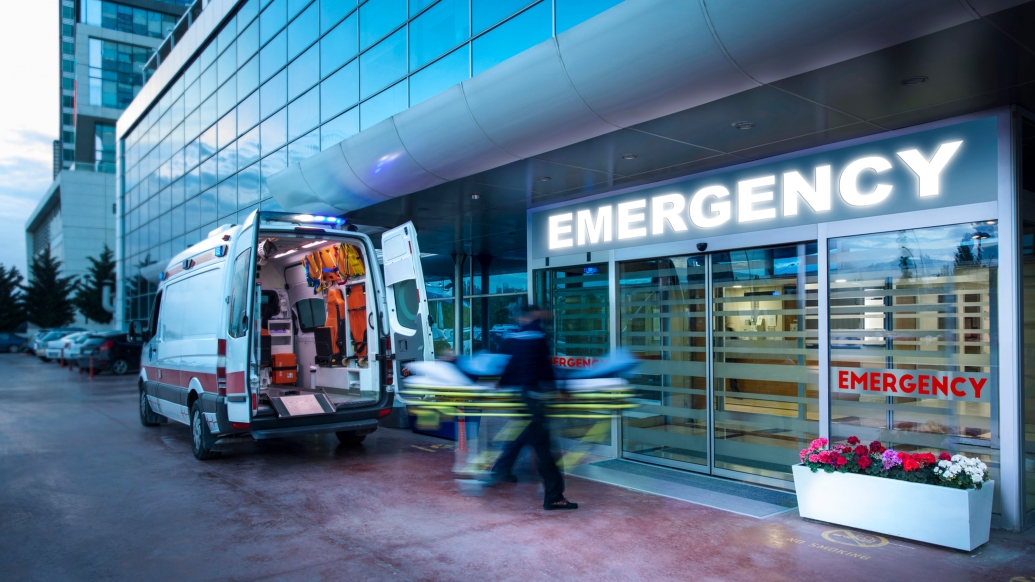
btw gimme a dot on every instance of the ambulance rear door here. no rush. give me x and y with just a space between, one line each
408 314
240 365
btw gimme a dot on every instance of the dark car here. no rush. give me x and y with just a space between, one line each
110 351
11 342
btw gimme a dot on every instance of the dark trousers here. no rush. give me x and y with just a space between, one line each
538 437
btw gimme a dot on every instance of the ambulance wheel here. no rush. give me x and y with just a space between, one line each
350 437
147 416
200 438
119 367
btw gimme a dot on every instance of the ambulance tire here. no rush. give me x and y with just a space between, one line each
349 437
147 415
200 438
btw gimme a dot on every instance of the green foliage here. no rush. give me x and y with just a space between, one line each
12 313
47 298
91 287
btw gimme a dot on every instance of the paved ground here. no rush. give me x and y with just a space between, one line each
87 493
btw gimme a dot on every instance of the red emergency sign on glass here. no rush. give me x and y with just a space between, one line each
570 362
915 383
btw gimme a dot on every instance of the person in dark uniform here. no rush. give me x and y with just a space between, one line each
529 368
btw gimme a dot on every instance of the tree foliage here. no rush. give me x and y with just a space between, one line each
48 296
88 296
12 314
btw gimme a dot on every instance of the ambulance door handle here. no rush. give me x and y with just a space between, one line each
370 320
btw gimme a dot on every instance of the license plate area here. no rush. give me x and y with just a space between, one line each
301 405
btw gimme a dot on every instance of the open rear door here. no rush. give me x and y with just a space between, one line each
406 296
240 364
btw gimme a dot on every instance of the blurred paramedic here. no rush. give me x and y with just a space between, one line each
530 370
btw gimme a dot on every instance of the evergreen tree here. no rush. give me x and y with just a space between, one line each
11 312
48 296
91 287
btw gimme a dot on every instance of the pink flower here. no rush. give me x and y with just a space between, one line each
813 458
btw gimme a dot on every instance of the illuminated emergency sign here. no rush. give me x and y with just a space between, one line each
946 166
913 383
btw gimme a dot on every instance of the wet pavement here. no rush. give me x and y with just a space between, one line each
88 493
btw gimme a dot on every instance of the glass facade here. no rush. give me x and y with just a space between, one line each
283 79
116 72
115 16
104 147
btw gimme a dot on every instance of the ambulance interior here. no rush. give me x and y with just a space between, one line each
317 330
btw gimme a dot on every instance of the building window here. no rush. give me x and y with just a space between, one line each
68 83
68 136
67 12
67 101
67 48
67 119
116 73
129 19
67 66
104 147
68 155
67 30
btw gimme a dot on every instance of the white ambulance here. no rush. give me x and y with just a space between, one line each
283 325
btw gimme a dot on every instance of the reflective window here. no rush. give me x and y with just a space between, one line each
248 148
339 46
248 43
248 185
913 356
439 76
572 12
272 19
226 130
273 57
270 165
304 113
248 77
227 97
226 65
208 206
226 162
304 72
304 147
226 36
273 132
303 31
339 91
512 37
438 30
384 105
208 143
209 173
417 5
273 95
248 112
104 147
379 17
114 16
382 64
296 6
116 73
247 12
485 13
226 194
332 11
340 128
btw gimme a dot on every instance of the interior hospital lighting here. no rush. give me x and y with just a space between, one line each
312 244
285 253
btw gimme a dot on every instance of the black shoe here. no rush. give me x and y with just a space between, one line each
560 503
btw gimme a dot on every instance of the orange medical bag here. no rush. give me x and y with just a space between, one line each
285 369
356 296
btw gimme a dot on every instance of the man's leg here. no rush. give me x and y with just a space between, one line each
553 481
505 462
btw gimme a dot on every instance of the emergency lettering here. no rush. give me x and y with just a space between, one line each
915 383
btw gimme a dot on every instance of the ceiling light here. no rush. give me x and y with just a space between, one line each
737 286
475 196
743 125
284 254
918 80
841 281
544 178
629 157
312 244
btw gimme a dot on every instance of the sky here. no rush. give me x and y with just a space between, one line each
29 117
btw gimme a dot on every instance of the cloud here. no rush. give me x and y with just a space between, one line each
26 171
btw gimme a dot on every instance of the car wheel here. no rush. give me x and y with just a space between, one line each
147 415
350 437
200 438
119 367
12 349
44 358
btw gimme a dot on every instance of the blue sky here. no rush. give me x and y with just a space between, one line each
29 116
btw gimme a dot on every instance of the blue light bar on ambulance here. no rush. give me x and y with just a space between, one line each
320 219
221 250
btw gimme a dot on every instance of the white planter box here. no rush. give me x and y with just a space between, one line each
956 518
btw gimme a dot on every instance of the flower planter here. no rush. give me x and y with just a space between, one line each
955 518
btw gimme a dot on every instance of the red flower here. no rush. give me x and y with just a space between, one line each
908 462
943 456
853 440
876 447
864 462
841 461
861 451
924 459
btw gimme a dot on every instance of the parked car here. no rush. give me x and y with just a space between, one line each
65 342
112 351
11 342
72 351
39 342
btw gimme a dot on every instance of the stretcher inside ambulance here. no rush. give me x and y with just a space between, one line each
287 324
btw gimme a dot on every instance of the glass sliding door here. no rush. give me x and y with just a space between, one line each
663 322
766 351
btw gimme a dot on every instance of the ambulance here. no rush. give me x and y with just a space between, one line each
288 324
